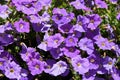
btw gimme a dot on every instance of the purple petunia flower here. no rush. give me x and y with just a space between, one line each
43 27
61 17
6 39
1 49
69 17
4 11
37 27
60 11
24 74
71 41
26 52
77 34
94 21
22 26
12 70
34 18
48 65
39 19
35 55
36 67
46 27
2 63
6 27
56 53
66 28
80 65
55 40
79 4
97 37
90 75
114 1
104 43
82 21
116 48
94 60
31 6
92 33
70 51
43 45
26 7
86 45
45 17
108 63
58 68
110 30
101 69
101 4
2 28
29 54
118 16
115 74
6 55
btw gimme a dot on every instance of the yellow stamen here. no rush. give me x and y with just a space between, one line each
11 70
92 60
78 64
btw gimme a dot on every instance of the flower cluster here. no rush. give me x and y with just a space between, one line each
60 38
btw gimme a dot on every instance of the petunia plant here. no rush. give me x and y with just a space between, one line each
59 39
